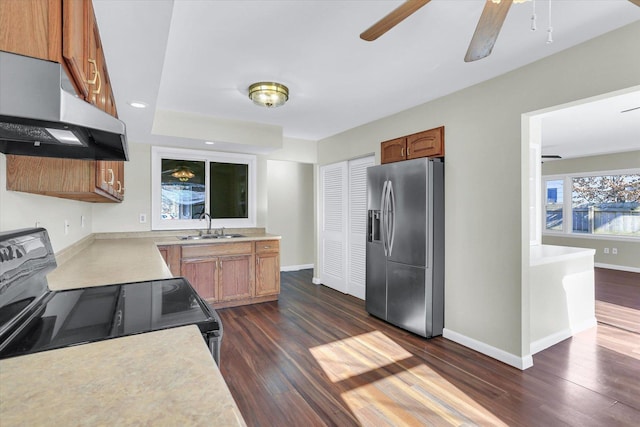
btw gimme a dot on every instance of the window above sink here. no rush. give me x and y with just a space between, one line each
186 184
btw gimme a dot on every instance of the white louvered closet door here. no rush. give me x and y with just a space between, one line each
357 237
333 249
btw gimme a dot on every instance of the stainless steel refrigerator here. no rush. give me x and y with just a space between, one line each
405 245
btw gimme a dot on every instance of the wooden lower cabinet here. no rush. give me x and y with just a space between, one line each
236 278
203 276
267 268
229 274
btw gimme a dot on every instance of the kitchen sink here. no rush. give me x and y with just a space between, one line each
210 236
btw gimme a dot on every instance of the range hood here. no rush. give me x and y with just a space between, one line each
40 115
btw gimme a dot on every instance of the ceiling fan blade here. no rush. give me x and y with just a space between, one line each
487 31
636 2
551 156
396 16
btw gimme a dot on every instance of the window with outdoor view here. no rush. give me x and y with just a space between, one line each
186 184
599 204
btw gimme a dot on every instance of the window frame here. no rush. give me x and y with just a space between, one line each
567 205
159 153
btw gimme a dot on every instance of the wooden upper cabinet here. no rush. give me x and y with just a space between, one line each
64 31
65 178
429 143
75 36
393 150
31 28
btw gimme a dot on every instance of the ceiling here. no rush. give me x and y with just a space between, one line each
198 57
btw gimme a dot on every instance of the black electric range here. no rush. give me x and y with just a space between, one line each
34 318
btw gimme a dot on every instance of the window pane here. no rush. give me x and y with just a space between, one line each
228 188
183 189
608 204
555 194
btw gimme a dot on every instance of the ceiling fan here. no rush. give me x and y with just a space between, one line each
489 25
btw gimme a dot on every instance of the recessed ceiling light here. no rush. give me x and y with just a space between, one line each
209 142
137 104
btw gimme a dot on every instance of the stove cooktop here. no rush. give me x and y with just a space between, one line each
33 318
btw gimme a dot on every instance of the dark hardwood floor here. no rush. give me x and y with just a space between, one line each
317 358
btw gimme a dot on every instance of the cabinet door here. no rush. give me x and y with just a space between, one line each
429 143
74 44
267 274
119 179
202 274
393 150
31 28
235 277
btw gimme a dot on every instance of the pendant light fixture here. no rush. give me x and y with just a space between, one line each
268 94
183 174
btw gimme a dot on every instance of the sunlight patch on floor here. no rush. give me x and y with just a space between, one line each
354 356
386 385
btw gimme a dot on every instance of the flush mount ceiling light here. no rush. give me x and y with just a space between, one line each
268 94
183 174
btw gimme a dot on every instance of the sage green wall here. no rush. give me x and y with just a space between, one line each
486 247
290 211
23 210
628 256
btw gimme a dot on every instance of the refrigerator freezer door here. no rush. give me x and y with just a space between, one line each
408 298
410 228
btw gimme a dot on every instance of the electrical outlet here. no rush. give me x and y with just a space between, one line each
82 221
143 218
66 227
606 250
614 251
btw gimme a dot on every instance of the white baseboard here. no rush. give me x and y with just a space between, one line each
587 324
617 267
316 281
546 342
553 339
296 267
521 363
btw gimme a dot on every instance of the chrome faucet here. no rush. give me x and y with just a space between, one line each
203 216
220 232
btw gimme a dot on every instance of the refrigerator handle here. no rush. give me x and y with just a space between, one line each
383 208
391 217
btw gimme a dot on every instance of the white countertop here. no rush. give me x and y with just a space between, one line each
545 254
165 377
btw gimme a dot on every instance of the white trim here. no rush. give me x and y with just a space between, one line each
521 363
316 281
550 340
553 339
567 209
617 267
595 236
296 267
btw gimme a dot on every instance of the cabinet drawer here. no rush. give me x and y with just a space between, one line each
217 249
263 246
